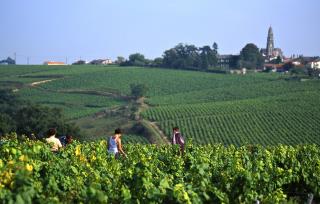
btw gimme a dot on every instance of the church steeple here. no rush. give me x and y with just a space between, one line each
270 42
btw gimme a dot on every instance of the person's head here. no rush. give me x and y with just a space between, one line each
117 131
52 132
69 138
175 129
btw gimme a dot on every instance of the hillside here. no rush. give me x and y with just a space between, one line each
209 108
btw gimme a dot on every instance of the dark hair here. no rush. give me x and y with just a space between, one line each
69 136
117 131
175 128
51 131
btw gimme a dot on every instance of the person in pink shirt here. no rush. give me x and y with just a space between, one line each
178 139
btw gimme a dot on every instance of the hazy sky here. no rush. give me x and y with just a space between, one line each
56 29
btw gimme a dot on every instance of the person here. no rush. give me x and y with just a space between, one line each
53 141
66 140
114 144
177 139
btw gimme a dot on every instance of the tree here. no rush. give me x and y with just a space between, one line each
250 57
79 62
138 90
215 48
137 59
157 62
182 57
11 61
120 60
27 118
206 57
7 125
215 54
169 56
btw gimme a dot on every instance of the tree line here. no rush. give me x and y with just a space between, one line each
190 57
182 56
32 120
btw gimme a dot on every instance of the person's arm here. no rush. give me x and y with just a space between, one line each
180 139
59 144
174 139
120 147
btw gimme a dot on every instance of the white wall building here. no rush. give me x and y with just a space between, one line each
314 64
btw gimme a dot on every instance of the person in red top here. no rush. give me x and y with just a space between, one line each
178 139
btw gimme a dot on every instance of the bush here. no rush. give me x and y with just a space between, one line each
138 90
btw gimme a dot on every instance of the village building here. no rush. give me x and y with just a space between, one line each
314 64
227 61
53 63
101 61
270 52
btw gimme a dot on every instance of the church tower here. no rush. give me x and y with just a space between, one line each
270 43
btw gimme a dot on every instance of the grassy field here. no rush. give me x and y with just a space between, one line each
209 108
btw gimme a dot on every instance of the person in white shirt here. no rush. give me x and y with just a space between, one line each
53 141
114 144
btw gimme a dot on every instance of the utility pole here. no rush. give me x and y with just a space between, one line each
15 57
66 60
28 60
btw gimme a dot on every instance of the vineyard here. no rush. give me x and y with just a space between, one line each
75 105
287 119
257 108
85 173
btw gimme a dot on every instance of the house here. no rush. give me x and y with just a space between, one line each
227 61
315 64
53 63
101 61
301 61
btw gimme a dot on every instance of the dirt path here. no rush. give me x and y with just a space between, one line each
142 107
41 82
156 128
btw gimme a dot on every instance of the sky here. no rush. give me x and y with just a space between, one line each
67 30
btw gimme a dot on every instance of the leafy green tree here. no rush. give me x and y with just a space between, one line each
250 57
79 62
157 62
120 60
138 90
7 125
206 57
27 118
182 57
215 54
190 57
169 57
137 59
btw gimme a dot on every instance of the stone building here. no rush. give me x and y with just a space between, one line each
270 52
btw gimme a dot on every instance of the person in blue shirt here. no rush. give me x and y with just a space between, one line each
65 140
